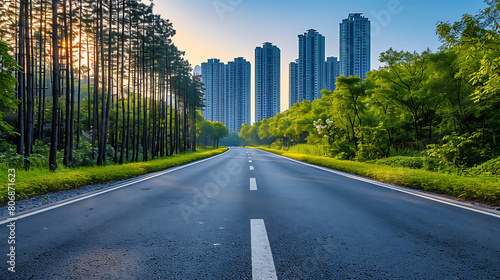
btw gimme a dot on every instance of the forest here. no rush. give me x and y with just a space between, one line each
92 83
423 108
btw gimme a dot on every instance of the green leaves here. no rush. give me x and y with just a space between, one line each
8 67
476 40
461 150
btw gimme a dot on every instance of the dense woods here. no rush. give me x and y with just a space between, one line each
99 82
443 105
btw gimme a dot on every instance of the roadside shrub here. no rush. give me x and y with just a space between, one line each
425 163
83 156
308 149
491 167
462 151
343 150
374 144
277 145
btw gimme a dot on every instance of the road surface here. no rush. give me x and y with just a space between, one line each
249 214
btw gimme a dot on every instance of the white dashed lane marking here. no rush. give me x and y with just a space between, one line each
262 257
253 184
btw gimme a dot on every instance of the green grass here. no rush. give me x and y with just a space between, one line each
482 189
39 182
308 149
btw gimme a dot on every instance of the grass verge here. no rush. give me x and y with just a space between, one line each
38 182
480 189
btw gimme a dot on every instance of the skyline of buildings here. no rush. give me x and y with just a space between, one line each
267 81
229 92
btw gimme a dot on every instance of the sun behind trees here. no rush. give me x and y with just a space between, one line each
100 82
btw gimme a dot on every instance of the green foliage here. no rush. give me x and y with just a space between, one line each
476 40
41 181
343 149
491 167
460 150
308 149
233 139
278 145
210 132
40 155
8 67
483 189
426 163
251 134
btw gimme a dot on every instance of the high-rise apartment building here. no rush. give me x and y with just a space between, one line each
267 81
213 77
238 91
294 82
355 46
332 71
311 65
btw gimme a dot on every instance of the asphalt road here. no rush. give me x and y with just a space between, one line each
248 214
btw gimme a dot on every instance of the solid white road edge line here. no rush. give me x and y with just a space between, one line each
253 184
262 257
388 186
22 216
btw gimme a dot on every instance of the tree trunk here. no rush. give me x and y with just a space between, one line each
29 92
21 79
55 91
125 126
102 134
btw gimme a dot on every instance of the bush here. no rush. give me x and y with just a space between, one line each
462 151
84 156
491 167
374 144
425 163
277 145
343 150
308 149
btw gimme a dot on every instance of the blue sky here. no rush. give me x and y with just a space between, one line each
226 29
